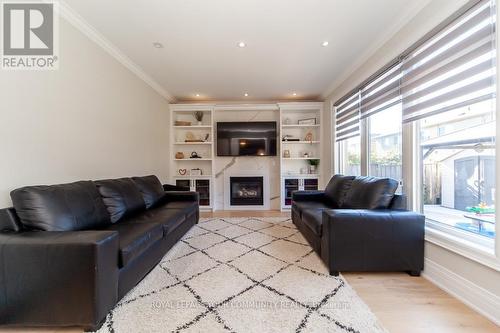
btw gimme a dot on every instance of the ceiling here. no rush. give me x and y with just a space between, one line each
284 52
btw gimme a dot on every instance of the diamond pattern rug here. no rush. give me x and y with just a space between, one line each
242 275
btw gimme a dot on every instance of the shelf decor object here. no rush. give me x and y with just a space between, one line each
308 121
198 115
182 123
313 164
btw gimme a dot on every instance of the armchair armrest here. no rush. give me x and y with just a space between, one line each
58 278
317 196
373 239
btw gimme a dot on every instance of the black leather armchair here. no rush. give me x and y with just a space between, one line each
359 224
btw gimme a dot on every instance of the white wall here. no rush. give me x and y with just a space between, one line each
477 278
90 119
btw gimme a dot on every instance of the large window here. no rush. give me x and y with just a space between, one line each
385 144
458 168
440 95
350 156
449 88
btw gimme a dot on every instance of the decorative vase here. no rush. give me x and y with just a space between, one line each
179 155
312 169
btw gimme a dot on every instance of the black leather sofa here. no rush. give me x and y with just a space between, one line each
359 224
70 252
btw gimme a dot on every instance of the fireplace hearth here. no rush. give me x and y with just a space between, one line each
247 191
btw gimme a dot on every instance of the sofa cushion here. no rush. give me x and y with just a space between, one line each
336 190
313 219
302 206
370 193
135 239
121 197
188 207
150 188
65 207
168 219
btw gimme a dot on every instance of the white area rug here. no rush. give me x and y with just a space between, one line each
242 275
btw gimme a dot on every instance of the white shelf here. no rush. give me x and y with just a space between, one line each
193 143
300 175
193 126
301 158
300 126
192 159
192 177
299 142
191 111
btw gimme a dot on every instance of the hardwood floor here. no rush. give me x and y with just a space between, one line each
402 303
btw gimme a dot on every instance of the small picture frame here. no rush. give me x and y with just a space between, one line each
307 121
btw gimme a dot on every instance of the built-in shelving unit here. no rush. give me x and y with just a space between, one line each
296 173
294 169
196 172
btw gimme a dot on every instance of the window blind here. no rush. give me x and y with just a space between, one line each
347 117
381 93
454 68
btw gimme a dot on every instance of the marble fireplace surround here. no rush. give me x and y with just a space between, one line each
246 173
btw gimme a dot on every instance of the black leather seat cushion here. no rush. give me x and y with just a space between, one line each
305 205
135 239
187 207
370 193
150 188
336 190
65 207
313 219
168 219
121 197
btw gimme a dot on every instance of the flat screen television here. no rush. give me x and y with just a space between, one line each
246 138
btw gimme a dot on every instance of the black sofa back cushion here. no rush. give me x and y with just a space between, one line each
65 207
150 188
336 190
370 193
121 197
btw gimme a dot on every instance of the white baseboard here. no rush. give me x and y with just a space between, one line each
476 297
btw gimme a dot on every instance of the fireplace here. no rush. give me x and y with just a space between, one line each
247 191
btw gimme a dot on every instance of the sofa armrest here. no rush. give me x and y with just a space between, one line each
58 278
317 196
180 196
376 239
168 187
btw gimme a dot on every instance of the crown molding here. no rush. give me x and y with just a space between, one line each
75 19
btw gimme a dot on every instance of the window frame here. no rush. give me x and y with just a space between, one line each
474 247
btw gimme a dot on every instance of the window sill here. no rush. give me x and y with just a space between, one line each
456 241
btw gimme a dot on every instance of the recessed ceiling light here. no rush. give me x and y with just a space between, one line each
325 43
294 94
246 94
242 44
158 45
197 95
